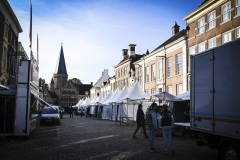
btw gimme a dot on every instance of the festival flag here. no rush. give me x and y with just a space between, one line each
30 32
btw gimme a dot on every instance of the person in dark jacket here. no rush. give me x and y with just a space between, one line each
140 121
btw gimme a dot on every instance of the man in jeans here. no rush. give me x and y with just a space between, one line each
152 124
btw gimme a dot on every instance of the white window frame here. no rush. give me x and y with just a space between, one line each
226 12
179 89
212 42
169 67
192 50
237 13
211 19
226 37
179 58
147 74
153 75
201 47
160 69
201 25
237 31
169 89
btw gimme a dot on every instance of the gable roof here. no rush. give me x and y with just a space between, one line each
133 58
61 65
172 39
102 79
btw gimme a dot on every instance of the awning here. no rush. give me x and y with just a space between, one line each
41 100
2 87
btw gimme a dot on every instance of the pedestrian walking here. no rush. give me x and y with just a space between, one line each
71 112
140 121
166 122
152 124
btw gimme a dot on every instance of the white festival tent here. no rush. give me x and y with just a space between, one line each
165 96
184 96
86 102
92 106
106 112
108 104
79 102
131 100
118 108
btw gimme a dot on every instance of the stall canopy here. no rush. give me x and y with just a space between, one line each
112 98
136 93
122 94
166 97
2 87
41 100
185 95
98 100
106 98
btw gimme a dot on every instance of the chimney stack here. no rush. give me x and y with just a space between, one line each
175 29
132 49
124 53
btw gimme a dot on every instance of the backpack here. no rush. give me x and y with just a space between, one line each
167 120
149 118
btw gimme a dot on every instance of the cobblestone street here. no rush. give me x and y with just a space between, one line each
83 138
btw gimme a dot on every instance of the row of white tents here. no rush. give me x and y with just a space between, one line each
123 103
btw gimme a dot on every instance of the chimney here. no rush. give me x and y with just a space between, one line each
132 49
175 29
124 53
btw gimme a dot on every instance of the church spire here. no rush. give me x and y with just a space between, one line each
61 65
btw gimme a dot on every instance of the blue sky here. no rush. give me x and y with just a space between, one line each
94 32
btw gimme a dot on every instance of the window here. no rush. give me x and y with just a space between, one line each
169 67
238 32
226 37
192 50
169 89
153 91
6 31
237 7
125 71
226 12
121 72
212 42
160 89
179 64
201 47
179 89
201 28
153 76
160 70
147 74
4 59
211 19
147 91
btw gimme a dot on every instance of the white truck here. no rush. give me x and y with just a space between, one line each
215 99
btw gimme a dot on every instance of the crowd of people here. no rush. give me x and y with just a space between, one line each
164 121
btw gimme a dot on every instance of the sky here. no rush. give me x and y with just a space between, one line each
94 32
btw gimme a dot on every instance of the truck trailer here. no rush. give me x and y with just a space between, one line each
215 99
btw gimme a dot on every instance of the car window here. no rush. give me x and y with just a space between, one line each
49 111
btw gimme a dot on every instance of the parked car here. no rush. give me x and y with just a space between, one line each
50 115
81 111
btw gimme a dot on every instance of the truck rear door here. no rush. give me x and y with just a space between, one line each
202 91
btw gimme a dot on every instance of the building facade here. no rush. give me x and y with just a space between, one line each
9 30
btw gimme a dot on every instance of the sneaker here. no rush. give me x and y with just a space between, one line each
165 151
171 151
134 137
153 150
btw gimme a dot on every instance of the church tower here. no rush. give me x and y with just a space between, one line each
60 75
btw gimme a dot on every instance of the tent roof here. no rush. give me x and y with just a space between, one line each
165 96
106 98
135 93
112 98
185 95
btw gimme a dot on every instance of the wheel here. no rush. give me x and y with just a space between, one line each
229 151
